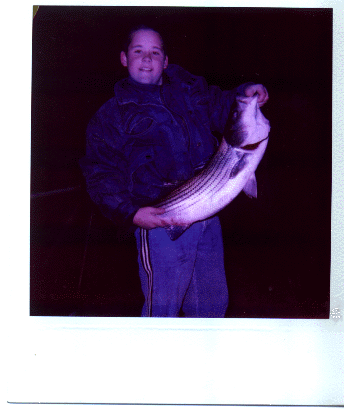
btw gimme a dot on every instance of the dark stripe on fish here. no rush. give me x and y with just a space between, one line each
192 187
200 184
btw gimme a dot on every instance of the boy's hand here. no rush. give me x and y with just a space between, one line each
149 218
263 96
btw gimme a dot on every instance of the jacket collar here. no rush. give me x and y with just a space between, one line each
129 90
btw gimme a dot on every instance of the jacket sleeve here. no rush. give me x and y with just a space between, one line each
219 104
105 169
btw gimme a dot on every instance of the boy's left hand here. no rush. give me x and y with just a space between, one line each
263 96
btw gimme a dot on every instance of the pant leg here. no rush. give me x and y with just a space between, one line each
187 273
172 264
207 295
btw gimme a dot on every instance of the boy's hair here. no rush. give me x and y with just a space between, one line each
131 33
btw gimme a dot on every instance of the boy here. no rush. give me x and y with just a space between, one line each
153 135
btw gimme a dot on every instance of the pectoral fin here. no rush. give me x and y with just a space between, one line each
239 165
251 186
174 232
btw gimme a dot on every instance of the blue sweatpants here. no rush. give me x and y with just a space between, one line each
186 274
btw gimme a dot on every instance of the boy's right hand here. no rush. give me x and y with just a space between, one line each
149 218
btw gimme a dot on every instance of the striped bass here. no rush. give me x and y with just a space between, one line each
231 170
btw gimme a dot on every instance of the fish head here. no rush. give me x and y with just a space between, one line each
246 124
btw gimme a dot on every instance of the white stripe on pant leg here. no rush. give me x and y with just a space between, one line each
147 267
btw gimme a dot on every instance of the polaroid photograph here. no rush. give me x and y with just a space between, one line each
182 244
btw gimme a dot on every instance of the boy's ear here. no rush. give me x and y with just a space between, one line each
166 62
124 59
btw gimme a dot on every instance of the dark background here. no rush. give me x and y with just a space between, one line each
277 247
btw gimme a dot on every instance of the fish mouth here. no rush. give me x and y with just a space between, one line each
253 146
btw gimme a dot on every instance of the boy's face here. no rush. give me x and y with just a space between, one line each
145 58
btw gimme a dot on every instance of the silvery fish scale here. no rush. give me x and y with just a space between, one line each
231 170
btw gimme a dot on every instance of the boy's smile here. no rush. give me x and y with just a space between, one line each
145 58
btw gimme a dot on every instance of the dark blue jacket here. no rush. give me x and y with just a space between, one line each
148 139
